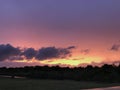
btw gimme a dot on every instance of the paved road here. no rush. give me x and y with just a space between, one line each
109 88
11 76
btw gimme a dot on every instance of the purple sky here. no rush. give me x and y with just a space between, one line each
86 24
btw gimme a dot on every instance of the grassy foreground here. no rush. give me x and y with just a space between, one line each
32 84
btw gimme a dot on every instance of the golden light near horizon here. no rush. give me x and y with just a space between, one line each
71 62
62 62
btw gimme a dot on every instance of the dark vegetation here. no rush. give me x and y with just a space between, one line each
34 84
106 73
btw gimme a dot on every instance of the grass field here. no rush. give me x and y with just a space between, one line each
32 84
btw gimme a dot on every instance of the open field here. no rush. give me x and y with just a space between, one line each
32 84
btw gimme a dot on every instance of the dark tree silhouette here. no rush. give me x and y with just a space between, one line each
106 73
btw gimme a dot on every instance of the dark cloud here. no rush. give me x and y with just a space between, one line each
71 47
115 47
53 52
29 53
7 51
85 51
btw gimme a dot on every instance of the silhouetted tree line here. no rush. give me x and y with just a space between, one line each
106 73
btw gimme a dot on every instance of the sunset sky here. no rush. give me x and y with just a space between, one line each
59 32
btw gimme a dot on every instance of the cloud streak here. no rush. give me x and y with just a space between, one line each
115 47
85 51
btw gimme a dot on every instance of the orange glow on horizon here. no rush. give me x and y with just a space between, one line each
63 62
72 62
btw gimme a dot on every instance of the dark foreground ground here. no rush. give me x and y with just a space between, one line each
33 84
